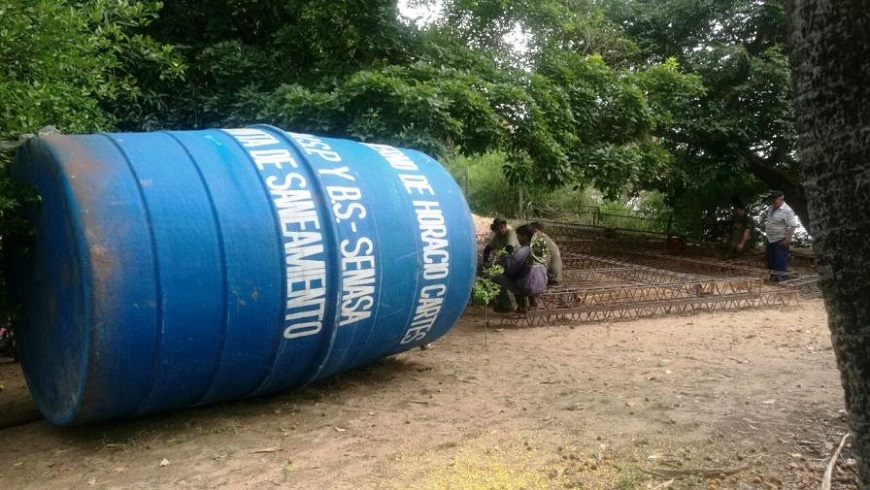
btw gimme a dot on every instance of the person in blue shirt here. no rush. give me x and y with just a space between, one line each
525 273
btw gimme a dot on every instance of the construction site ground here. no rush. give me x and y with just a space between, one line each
635 375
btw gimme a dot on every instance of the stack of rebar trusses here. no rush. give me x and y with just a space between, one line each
611 276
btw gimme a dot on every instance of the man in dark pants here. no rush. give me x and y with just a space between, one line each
738 240
780 226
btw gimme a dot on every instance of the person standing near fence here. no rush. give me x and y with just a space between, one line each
738 240
779 229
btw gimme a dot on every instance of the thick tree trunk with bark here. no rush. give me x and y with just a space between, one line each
830 58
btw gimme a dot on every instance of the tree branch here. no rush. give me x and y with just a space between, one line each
776 178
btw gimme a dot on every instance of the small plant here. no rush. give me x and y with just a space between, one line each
485 289
287 470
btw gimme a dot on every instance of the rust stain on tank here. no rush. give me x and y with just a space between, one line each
92 202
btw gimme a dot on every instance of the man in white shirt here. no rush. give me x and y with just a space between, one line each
780 226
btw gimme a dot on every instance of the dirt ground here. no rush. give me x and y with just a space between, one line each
732 399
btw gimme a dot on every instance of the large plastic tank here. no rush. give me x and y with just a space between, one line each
173 269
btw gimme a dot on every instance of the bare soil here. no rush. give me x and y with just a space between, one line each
732 399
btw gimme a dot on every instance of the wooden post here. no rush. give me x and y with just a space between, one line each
521 215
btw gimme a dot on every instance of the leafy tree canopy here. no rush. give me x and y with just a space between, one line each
689 97
74 65
740 137
569 108
80 67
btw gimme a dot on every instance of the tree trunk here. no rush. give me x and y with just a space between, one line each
830 60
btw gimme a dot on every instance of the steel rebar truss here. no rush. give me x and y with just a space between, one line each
572 297
603 288
580 265
630 310
807 285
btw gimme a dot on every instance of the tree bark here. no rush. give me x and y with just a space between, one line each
830 60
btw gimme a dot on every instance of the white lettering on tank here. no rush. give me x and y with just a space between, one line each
418 184
433 233
436 268
252 137
343 172
357 281
429 304
358 264
299 224
312 145
279 158
395 157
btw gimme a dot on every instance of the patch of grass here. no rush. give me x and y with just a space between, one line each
473 433
224 452
180 438
287 470
485 470
397 456
293 407
599 468
628 479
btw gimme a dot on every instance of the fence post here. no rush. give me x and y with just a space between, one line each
522 211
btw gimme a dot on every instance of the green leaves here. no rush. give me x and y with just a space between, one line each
72 64
484 289
738 129
78 66
434 109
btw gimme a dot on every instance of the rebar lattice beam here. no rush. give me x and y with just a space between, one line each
634 310
570 296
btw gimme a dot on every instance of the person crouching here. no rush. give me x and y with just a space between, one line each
525 274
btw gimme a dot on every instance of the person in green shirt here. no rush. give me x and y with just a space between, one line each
554 261
504 238
738 241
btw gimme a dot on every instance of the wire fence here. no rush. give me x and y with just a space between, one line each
658 223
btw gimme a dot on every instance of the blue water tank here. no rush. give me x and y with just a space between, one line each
174 269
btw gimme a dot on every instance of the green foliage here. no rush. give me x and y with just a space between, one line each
437 110
588 122
242 52
482 178
568 203
70 64
484 289
489 194
77 67
570 109
738 137
644 212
